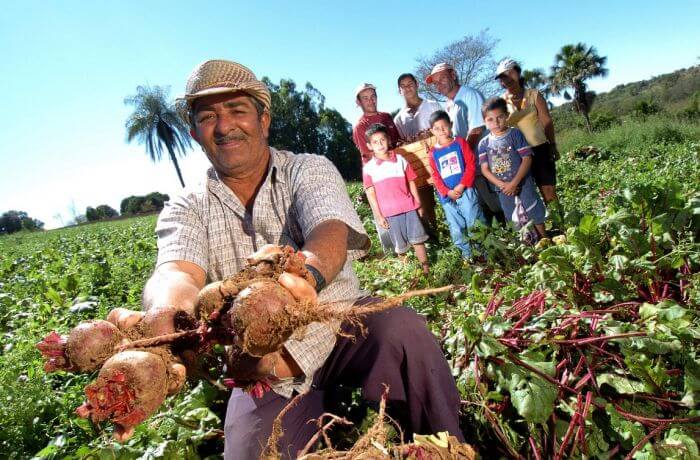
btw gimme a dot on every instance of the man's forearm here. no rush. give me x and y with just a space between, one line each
171 285
326 248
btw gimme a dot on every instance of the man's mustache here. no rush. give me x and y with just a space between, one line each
229 138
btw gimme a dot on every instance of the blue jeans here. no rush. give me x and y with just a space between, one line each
461 216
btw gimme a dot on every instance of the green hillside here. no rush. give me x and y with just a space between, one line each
675 94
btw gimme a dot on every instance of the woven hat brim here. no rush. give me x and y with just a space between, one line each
257 93
185 101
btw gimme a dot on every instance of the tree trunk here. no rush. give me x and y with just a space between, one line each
173 158
588 121
165 134
582 103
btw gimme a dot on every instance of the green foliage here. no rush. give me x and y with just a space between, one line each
574 64
674 93
629 262
134 205
102 212
303 124
14 221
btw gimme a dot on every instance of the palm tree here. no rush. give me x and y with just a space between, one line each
155 123
537 79
573 65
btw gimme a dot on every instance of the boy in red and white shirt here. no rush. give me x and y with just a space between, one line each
389 182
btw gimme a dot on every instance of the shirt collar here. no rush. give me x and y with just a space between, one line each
273 170
391 159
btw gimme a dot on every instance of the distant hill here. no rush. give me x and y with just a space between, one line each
671 92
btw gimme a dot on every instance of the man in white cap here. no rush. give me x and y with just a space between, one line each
464 108
366 99
256 198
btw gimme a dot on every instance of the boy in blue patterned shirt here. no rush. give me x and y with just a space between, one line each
505 159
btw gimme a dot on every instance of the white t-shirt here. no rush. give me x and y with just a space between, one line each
409 124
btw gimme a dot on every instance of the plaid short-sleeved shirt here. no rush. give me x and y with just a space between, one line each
211 228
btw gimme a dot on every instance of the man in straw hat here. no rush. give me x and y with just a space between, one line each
256 198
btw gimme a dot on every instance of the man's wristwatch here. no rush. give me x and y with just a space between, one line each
318 277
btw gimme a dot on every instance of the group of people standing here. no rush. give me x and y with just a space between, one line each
488 161
255 199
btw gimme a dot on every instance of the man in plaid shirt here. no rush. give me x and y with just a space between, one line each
255 196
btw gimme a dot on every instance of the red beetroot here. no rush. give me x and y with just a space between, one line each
88 345
264 315
130 386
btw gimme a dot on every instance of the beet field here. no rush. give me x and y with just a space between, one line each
586 345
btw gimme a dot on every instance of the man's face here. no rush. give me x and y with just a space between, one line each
367 100
228 128
444 82
408 88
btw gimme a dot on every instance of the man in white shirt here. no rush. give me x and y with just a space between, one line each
413 123
414 118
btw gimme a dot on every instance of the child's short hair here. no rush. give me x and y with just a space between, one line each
374 129
494 103
439 115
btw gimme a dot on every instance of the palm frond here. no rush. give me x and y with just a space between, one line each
156 124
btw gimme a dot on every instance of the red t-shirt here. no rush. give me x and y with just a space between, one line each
363 123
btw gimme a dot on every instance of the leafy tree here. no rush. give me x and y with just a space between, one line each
336 138
156 124
14 221
536 78
643 109
102 212
472 58
295 116
152 202
302 123
574 64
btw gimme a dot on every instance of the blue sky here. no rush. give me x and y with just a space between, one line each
67 66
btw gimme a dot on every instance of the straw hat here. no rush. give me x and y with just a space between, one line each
219 76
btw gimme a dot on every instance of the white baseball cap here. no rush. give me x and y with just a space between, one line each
437 69
363 87
504 66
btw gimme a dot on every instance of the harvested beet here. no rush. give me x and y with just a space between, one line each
88 345
130 386
264 315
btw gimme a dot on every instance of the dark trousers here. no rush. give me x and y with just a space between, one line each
398 350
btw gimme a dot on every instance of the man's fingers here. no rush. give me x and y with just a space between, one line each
122 434
159 321
124 318
264 253
299 287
